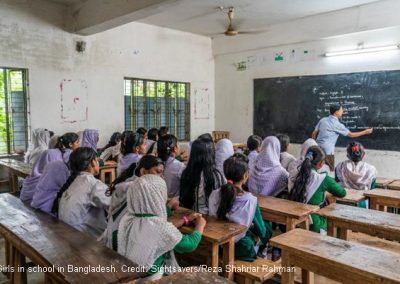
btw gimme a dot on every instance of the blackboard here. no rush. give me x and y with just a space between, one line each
294 105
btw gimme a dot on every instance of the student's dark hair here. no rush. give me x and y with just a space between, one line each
201 162
242 157
205 136
334 108
355 151
114 140
64 141
234 169
51 133
163 131
152 134
131 141
284 140
253 142
314 155
141 130
165 146
79 161
121 178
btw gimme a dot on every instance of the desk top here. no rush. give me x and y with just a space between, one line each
348 258
362 216
381 182
385 193
215 231
285 207
352 196
394 185
48 241
23 168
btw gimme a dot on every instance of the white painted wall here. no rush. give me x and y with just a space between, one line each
234 89
31 38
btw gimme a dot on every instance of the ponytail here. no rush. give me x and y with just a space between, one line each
131 140
228 195
64 141
129 172
165 146
355 152
299 191
79 161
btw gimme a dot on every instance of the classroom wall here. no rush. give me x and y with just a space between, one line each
234 89
33 37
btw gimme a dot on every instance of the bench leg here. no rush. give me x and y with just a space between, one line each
372 204
18 261
331 228
228 251
287 276
307 277
344 234
290 224
214 255
240 279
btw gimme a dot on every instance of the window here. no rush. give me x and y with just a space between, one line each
13 110
150 103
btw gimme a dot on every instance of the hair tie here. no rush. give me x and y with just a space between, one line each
355 149
310 155
229 181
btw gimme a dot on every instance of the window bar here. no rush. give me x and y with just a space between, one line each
5 74
25 98
187 112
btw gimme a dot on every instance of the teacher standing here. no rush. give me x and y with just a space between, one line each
328 130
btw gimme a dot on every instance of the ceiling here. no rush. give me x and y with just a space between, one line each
67 2
205 18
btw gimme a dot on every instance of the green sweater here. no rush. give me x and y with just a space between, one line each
331 186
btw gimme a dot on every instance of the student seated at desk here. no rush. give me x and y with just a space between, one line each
40 143
90 138
200 177
268 177
54 176
285 158
152 138
309 186
254 147
354 173
223 150
82 201
113 148
132 147
168 149
65 145
145 235
148 164
232 203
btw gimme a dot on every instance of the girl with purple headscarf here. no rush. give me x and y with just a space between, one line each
132 147
268 177
55 174
90 138
232 203
65 145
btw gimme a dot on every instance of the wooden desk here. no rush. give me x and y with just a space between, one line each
15 169
216 233
382 182
371 222
110 170
353 197
382 198
193 277
282 211
333 258
46 241
395 185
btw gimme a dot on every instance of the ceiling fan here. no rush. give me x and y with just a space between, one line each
231 30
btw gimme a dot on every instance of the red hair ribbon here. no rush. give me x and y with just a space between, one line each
230 181
355 148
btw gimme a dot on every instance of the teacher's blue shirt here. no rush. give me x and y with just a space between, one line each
329 128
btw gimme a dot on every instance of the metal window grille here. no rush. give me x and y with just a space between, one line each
13 110
152 103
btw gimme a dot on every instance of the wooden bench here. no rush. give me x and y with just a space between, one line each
371 222
374 242
259 270
353 197
282 211
395 185
192 277
110 170
15 169
380 199
48 243
218 135
342 261
216 233
382 182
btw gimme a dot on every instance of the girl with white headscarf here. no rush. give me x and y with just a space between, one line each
354 173
232 203
268 177
40 143
145 235
223 150
310 186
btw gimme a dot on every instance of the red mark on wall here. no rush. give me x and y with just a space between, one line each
74 101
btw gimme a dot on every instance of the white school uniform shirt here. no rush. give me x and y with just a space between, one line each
83 205
172 175
286 160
